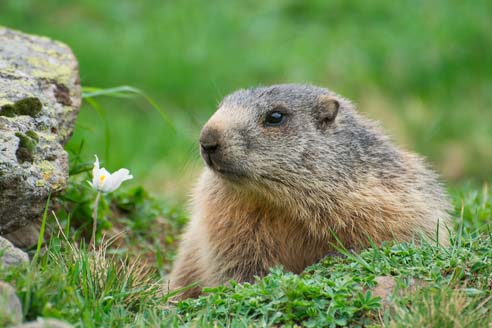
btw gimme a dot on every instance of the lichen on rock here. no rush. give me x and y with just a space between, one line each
39 101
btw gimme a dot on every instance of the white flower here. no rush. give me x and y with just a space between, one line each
104 181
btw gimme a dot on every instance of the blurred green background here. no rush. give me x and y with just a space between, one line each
423 68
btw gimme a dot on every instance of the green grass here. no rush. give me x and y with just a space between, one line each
122 284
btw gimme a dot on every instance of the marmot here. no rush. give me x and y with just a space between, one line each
289 166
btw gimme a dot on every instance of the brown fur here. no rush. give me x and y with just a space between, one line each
250 213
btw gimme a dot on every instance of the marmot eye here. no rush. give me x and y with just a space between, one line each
275 118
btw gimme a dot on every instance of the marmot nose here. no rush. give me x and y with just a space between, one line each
209 148
209 140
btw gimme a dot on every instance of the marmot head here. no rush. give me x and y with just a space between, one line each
291 135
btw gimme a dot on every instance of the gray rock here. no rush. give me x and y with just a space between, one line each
39 102
45 323
387 286
384 288
25 237
10 306
11 255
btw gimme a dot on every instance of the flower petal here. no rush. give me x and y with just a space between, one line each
115 180
104 181
100 179
95 168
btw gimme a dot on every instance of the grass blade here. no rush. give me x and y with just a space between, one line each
126 91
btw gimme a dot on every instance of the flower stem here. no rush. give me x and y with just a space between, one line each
92 242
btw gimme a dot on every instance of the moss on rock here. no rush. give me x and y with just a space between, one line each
33 135
8 110
27 144
28 106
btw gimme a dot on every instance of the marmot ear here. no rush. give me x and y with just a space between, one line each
326 110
